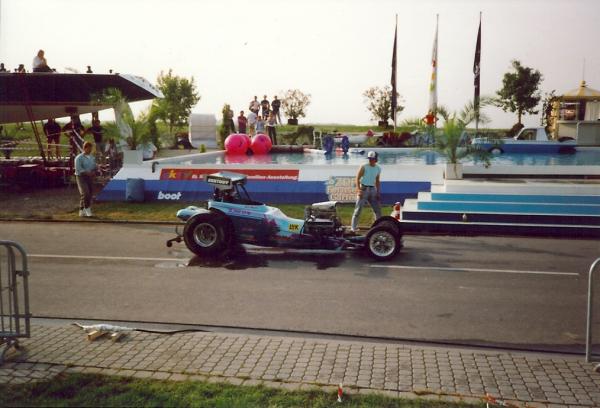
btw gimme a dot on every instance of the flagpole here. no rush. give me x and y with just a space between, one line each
477 80
393 97
396 72
434 65
437 25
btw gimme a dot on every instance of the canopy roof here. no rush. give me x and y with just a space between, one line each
581 93
35 96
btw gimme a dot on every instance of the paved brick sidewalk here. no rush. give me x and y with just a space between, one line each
297 363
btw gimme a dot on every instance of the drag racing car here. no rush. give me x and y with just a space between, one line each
231 217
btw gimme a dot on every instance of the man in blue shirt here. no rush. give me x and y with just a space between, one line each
85 169
368 189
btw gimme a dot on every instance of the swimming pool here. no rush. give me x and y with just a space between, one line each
402 157
311 176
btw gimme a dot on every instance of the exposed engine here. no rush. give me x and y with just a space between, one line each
321 219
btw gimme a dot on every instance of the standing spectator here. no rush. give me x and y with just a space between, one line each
2 69
266 107
260 125
254 105
368 189
275 106
113 155
148 150
98 132
72 130
85 169
271 130
252 119
230 116
430 120
40 64
242 121
21 69
52 131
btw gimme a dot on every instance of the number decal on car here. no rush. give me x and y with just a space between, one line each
294 227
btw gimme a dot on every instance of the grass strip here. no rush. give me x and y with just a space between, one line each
165 212
92 390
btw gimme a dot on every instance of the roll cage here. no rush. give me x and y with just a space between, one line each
229 188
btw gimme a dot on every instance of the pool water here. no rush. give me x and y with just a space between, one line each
409 157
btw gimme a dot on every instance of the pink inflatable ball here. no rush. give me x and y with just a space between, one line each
237 143
261 144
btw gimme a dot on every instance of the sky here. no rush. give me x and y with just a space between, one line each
331 49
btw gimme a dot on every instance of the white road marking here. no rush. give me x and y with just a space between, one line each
429 268
107 258
509 271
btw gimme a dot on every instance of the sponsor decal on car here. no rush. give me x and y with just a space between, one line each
239 211
218 180
294 227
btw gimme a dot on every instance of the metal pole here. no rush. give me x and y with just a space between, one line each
588 338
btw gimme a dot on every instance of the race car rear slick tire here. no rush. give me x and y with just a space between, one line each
388 222
394 226
207 234
382 242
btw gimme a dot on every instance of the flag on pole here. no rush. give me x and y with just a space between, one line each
394 97
477 71
434 64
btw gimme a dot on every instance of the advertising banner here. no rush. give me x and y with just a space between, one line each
253 174
341 189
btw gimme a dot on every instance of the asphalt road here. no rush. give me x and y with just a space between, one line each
515 292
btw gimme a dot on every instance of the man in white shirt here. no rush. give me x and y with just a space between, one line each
148 150
254 105
252 119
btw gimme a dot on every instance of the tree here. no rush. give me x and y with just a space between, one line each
227 126
547 106
294 103
519 91
379 102
180 96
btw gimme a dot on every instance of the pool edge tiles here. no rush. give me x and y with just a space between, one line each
270 184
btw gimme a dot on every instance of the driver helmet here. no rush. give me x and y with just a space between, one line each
372 155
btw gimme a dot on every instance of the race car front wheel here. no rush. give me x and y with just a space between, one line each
383 242
206 234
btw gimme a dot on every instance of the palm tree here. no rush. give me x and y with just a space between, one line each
126 128
449 143
467 114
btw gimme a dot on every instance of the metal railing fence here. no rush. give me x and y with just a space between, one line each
14 295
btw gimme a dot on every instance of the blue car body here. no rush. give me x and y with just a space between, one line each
232 217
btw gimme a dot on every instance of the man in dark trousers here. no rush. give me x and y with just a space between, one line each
98 132
73 130
85 170
275 106
266 107
52 131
